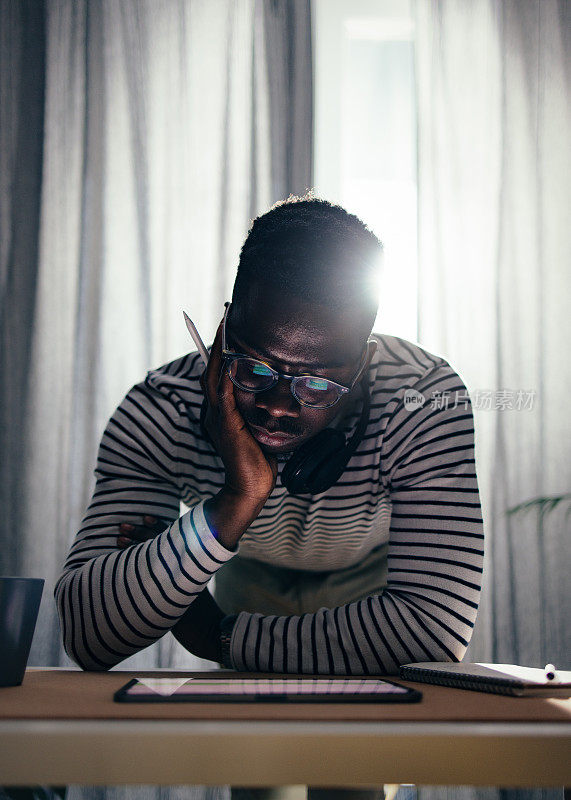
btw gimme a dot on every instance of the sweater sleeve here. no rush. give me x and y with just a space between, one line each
114 602
435 557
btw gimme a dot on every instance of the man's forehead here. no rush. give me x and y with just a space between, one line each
293 348
289 330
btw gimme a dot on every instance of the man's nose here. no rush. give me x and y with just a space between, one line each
279 400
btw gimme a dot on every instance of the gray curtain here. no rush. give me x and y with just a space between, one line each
22 93
138 138
494 295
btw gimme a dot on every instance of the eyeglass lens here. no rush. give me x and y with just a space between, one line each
255 376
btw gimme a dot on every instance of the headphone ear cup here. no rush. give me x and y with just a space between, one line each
317 464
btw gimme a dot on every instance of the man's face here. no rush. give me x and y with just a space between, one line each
295 338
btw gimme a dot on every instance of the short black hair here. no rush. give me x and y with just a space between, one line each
311 248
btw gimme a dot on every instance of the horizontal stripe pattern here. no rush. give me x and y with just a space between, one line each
411 483
114 602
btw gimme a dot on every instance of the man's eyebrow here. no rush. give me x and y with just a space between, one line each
265 356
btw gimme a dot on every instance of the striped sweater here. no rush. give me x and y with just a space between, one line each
411 483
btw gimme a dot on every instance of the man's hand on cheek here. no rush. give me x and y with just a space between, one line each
199 629
250 475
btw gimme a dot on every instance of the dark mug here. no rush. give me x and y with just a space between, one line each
19 606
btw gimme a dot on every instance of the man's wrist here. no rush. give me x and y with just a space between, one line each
226 629
229 516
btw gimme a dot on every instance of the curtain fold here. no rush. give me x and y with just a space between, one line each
290 76
22 98
494 293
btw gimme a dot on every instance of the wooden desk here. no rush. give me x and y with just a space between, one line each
62 727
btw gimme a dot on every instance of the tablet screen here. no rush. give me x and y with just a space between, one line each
288 689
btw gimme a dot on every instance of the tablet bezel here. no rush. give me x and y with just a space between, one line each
123 695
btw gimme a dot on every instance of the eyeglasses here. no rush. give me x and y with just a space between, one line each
252 375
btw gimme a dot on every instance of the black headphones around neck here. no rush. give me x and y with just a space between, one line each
320 462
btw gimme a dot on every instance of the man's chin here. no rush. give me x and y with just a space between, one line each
281 452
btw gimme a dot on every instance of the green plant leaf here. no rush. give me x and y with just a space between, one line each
543 504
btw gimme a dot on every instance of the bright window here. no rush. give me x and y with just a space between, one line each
365 136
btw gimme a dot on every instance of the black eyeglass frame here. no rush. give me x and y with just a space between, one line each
230 357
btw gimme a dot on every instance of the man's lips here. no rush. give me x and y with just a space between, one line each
264 436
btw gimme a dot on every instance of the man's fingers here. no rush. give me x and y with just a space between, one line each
151 526
213 369
222 412
225 390
154 523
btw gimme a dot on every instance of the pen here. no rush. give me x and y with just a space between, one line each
551 673
196 338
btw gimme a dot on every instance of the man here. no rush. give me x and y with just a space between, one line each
381 568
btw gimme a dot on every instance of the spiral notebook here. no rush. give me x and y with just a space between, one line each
496 678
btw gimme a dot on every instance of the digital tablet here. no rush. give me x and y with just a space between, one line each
264 690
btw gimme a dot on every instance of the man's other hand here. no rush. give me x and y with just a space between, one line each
133 534
198 630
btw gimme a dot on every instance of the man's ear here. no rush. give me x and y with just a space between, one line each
371 350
